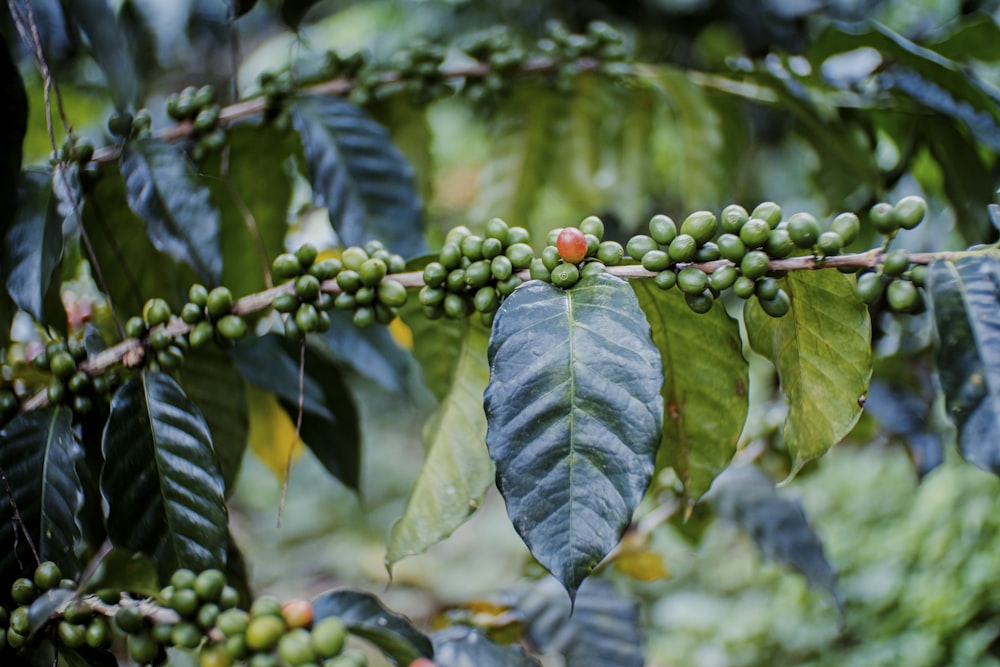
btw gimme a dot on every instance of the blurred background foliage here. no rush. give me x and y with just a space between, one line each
821 105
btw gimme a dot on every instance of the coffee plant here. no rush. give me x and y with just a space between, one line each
704 247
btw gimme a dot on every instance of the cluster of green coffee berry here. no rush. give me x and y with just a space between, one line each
475 273
896 277
123 125
361 276
198 106
68 385
195 612
601 41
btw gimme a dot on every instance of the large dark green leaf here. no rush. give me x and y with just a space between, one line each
252 198
211 380
161 479
575 417
14 120
411 133
329 416
967 181
777 524
133 269
365 616
108 47
457 470
33 243
601 629
359 175
822 352
967 313
180 218
462 646
38 457
704 387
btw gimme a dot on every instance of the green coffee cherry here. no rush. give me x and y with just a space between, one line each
392 293
709 252
896 263
517 235
478 274
655 260
847 226
754 264
365 295
285 266
700 303
910 211
353 257
539 271
62 364
23 590
869 287
201 334
307 286
662 229
501 267
701 225
372 272
830 243
565 275
129 619
692 280
220 302
755 232
918 275
665 280
723 277
192 313
640 244
769 212
804 230
776 307
450 256
492 247
779 243
767 288
733 218
592 268
306 255
20 620
47 575
683 248
731 247
520 255
551 257
902 296
98 633
883 218
435 274
328 637
610 253
364 317
71 635
497 229
327 269
472 247
285 303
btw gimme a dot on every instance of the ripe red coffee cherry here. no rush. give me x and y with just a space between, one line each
572 245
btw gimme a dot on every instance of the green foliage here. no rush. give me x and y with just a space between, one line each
251 272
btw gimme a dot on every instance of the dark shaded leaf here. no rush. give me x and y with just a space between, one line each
601 629
329 419
372 352
365 616
776 522
14 121
457 470
822 352
86 657
254 187
43 607
410 131
967 181
123 571
462 646
359 175
100 25
41 494
704 388
977 37
33 244
133 269
7 311
575 417
161 480
967 312
180 219
211 380
292 11
241 7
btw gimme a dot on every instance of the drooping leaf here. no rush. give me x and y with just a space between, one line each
108 47
211 380
38 457
252 197
371 352
44 606
462 646
272 437
329 417
601 629
161 479
822 352
359 175
176 209
14 120
437 347
966 177
574 417
32 244
411 133
457 469
967 312
776 522
704 388
521 161
930 65
365 616
241 7
132 268
975 37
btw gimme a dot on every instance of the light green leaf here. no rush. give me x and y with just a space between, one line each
822 352
704 388
458 469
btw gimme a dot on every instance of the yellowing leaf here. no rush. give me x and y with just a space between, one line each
401 333
272 432
642 565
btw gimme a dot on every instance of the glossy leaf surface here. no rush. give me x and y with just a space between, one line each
161 479
575 417
365 616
